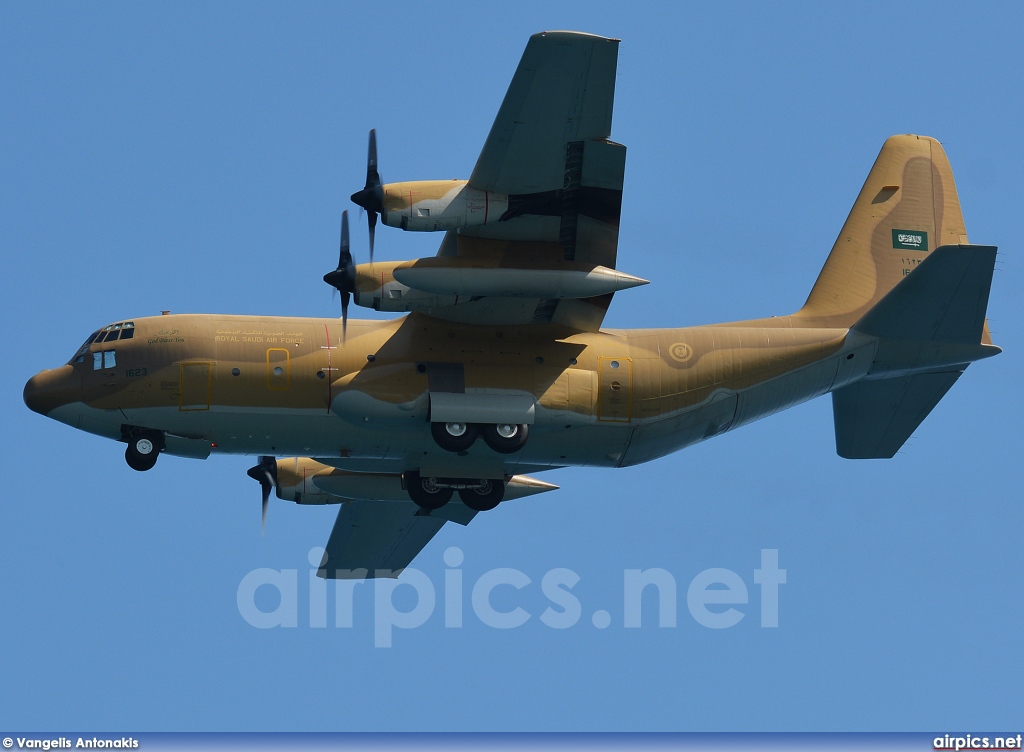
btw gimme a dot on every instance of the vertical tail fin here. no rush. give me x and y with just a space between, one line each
907 207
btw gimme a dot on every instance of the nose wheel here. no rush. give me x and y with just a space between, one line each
142 452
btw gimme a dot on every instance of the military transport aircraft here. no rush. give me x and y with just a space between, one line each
501 367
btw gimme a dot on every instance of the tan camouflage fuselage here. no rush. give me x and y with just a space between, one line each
294 386
364 402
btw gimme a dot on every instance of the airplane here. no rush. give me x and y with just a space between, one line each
500 367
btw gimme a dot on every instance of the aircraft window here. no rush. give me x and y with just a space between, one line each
97 361
117 331
109 361
79 357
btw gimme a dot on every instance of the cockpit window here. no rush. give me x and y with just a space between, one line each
124 330
121 330
80 355
104 359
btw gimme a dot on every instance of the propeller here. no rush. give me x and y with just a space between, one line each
371 197
265 473
343 279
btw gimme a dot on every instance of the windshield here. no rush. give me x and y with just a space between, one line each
121 330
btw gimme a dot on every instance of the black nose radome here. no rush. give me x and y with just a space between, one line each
48 390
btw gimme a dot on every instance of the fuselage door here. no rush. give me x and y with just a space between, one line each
195 387
615 399
279 369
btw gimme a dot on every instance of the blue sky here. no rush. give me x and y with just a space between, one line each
195 156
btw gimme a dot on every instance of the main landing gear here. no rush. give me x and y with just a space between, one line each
504 438
480 495
483 497
143 450
454 437
426 492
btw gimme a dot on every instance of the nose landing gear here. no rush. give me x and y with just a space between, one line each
143 450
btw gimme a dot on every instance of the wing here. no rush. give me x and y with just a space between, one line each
561 93
380 538
549 152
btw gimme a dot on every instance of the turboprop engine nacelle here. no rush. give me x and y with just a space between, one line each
306 481
428 205
433 282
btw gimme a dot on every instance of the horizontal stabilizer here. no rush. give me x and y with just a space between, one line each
874 418
942 300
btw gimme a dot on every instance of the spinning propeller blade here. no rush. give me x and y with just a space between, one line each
371 197
265 473
343 279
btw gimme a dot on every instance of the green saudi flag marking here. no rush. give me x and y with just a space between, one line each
911 240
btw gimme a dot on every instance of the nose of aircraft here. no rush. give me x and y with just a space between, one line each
50 389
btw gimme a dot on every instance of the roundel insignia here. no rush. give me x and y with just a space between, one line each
680 352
